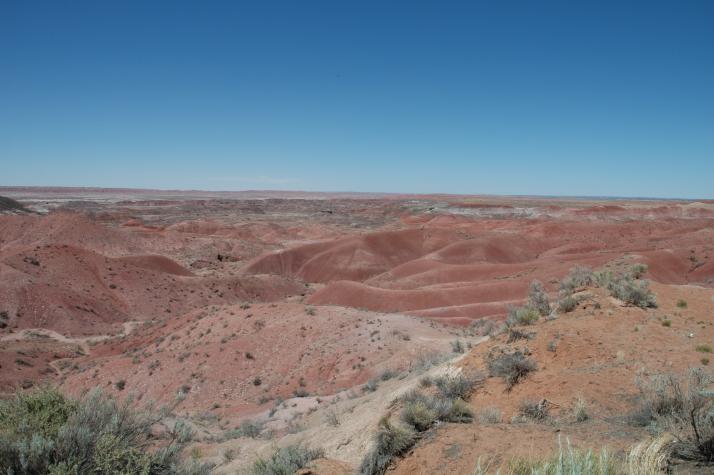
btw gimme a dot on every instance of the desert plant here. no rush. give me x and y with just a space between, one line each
538 298
650 457
457 346
684 407
514 334
390 441
43 432
489 415
637 270
567 304
535 410
456 386
370 386
703 348
681 303
579 276
419 415
522 316
580 411
568 461
633 292
250 428
286 461
511 367
388 374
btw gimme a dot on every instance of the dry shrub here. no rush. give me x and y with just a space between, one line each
389 442
511 367
651 456
684 407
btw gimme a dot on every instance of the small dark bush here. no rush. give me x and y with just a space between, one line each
511 367
250 428
370 386
457 346
535 410
515 334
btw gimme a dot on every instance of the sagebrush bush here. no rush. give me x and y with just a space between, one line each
390 441
511 367
43 432
538 298
684 407
286 460
579 276
522 316
457 386
633 292
535 410
567 304
419 415
457 346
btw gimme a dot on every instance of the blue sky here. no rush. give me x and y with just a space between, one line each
555 98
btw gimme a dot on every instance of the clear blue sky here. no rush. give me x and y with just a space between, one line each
610 98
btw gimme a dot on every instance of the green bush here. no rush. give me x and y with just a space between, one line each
286 461
43 432
522 316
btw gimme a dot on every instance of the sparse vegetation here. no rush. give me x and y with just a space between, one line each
286 461
522 316
579 276
703 348
681 303
489 415
389 442
580 411
538 298
534 410
567 304
512 367
633 292
457 346
43 432
456 386
683 407
370 386
568 461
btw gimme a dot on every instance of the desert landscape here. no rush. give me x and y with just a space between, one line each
406 334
